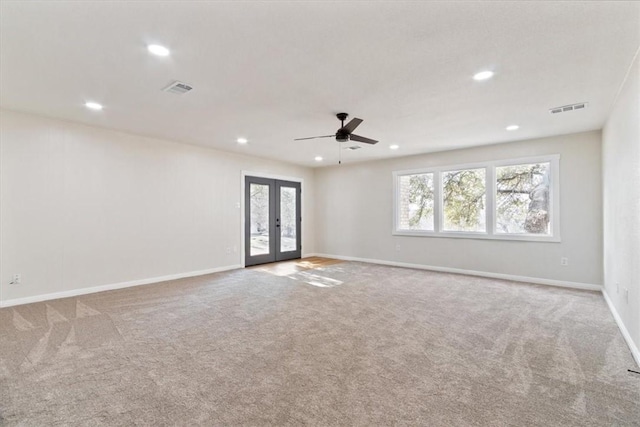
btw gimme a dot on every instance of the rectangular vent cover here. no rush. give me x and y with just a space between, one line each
178 87
572 107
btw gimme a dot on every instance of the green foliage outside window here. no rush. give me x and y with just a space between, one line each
522 199
464 200
521 204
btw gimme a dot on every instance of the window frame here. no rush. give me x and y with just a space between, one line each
490 200
396 202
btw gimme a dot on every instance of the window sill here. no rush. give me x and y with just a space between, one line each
478 235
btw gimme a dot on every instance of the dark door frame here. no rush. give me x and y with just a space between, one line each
243 208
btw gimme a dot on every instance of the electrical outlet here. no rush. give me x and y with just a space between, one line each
17 278
564 261
398 248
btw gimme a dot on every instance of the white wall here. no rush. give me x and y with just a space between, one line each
84 207
354 214
621 183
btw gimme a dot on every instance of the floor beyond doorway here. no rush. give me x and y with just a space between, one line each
284 268
337 343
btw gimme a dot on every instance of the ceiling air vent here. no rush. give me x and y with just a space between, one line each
178 87
572 107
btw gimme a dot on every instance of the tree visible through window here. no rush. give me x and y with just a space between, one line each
416 202
464 200
288 214
506 199
522 199
259 199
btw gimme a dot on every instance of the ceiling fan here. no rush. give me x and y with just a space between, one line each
345 134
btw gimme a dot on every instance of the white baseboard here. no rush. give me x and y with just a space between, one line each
110 287
635 352
535 280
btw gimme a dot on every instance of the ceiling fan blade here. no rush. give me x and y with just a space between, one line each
314 137
359 138
352 125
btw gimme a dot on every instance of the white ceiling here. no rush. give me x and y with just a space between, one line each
276 71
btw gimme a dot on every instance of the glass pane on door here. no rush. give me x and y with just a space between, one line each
259 200
288 215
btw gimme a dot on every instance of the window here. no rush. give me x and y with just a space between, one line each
522 199
511 199
416 202
463 196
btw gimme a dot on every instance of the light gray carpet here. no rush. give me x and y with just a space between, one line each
363 345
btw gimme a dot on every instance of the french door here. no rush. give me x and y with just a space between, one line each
272 220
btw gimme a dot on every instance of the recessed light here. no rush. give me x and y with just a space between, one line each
93 106
512 127
394 146
242 140
483 75
158 50
318 158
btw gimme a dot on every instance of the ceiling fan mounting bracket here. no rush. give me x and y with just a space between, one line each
342 116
